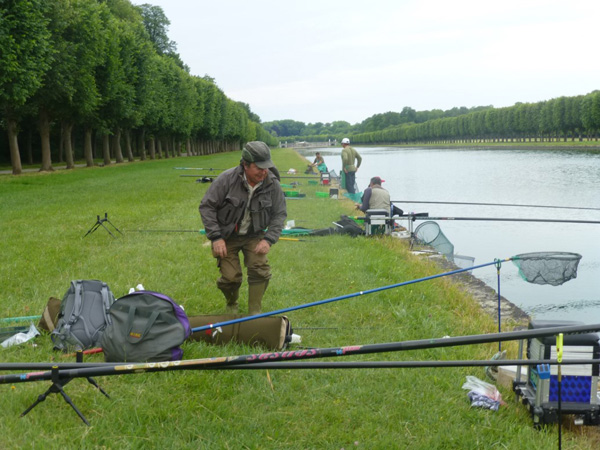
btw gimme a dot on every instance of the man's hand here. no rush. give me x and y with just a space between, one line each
262 248
219 248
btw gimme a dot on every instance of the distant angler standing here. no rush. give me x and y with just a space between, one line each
351 160
244 210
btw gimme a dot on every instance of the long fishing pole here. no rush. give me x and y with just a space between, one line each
196 168
20 319
404 364
200 231
347 364
496 204
497 219
164 231
335 299
100 369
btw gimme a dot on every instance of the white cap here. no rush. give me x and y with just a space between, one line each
345 141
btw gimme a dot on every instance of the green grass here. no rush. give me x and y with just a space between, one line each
42 222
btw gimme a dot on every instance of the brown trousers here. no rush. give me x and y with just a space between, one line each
257 266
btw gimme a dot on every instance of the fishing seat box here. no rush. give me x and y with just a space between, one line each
273 333
324 177
579 386
378 222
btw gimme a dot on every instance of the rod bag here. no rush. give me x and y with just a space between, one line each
273 332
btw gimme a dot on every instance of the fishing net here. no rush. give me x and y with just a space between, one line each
554 268
429 233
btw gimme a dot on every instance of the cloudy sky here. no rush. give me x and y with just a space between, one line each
328 60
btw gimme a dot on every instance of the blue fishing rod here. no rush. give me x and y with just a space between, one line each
342 297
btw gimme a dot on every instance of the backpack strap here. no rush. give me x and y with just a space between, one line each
106 301
135 339
77 307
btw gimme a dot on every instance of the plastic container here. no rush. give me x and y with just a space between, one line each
323 194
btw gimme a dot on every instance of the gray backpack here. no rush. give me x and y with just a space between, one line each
83 315
145 326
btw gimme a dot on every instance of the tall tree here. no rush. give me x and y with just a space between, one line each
157 26
24 61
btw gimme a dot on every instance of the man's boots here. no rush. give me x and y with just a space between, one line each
232 300
255 295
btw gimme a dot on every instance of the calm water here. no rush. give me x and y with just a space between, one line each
557 178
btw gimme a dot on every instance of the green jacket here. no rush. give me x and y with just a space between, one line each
349 155
225 202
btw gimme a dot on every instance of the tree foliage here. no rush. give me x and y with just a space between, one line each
75 68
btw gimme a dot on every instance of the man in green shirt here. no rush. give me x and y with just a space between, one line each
350 163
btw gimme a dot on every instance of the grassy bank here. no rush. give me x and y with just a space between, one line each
42 222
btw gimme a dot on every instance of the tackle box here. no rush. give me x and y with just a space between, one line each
579 383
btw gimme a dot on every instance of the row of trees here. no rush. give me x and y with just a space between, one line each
561 118
377 122
107 69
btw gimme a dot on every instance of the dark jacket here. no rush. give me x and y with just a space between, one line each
222 207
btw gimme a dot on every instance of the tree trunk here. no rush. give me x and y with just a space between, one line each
106 149
29 145
87 147
117 146
128 146
67 128
188 147
13 142
159 147
45 137
61 143
152 148
142 145
167 155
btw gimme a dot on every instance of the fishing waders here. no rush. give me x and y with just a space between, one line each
231 296
256 291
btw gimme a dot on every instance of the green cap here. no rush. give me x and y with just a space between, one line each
258 152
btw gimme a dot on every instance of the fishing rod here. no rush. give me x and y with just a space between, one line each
497 204
200 231
406 364
164 231
348 364
20 319
196 168
497 219
335 299
101 369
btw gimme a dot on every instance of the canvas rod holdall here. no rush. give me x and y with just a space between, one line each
145 326
273 333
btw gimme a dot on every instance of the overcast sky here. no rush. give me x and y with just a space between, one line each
328 60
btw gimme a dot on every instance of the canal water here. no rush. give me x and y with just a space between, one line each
516 176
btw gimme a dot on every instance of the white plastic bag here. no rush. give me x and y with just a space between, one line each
474 384
19 338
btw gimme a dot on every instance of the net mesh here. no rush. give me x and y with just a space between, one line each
429 233
554 268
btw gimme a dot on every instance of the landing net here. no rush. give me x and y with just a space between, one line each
554 268
429 233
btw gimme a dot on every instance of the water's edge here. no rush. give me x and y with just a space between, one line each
485 296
